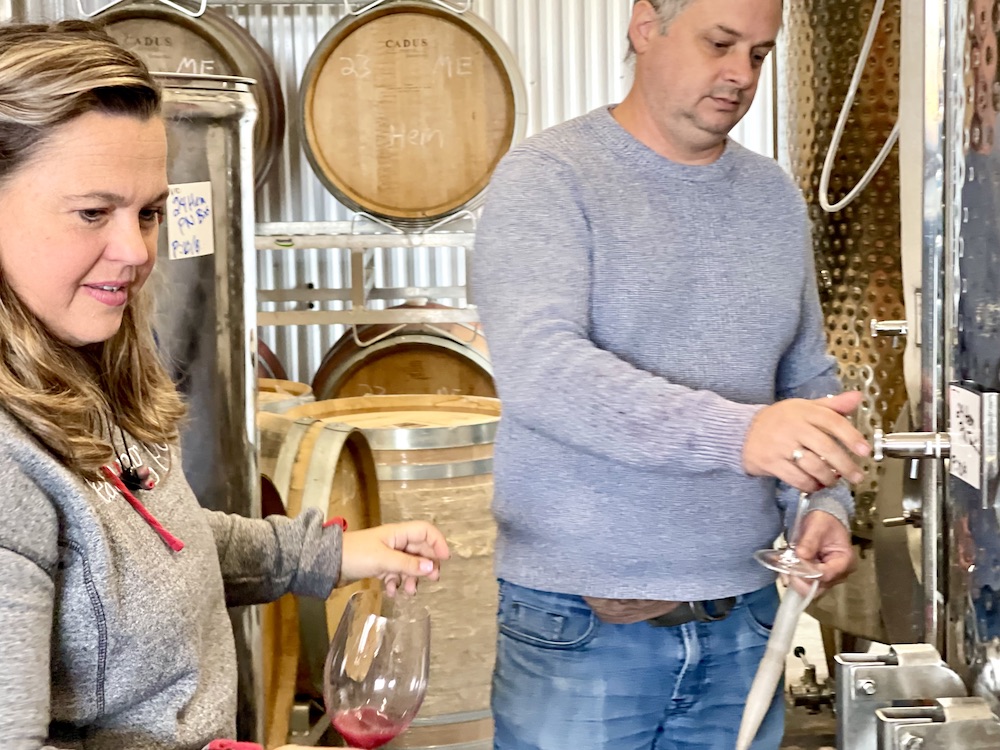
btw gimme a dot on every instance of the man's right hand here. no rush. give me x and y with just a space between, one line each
807 444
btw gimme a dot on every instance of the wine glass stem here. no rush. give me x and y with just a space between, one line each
800 514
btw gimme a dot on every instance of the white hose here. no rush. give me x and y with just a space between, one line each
838 132
772 665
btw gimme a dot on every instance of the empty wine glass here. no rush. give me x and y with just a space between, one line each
375 676
784 560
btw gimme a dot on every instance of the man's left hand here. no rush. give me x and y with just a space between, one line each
825 541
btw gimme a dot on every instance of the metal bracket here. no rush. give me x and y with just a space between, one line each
894 328
108 6
374 339
455 217
374 220
375 3
91 13
947 724
867 682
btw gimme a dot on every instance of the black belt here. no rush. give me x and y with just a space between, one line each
707 611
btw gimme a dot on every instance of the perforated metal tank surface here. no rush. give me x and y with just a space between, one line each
857 249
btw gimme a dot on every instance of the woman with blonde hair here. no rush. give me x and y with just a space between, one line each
114 582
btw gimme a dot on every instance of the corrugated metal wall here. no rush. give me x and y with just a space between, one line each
570 53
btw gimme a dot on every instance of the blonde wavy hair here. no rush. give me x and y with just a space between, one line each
69 397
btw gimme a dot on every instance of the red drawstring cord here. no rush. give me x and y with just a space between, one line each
169 539
336 521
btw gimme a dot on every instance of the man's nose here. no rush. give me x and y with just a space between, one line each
741 71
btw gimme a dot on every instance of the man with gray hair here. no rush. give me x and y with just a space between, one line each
648 291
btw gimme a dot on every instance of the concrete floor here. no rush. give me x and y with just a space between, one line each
804 731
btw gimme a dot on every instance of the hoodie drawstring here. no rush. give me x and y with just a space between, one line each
169 539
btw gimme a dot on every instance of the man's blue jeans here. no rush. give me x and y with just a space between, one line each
564 680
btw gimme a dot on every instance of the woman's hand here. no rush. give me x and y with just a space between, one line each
398 553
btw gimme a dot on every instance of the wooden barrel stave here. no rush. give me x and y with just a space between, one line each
466 597
281 395
426 407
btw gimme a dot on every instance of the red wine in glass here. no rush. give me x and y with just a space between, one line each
376 669
366 728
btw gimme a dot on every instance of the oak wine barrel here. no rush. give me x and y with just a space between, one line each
443 358
268 364
170 41
406 110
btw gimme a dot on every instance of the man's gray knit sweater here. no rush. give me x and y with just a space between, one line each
108 639
640 313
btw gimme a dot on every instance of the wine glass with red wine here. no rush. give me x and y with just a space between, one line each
376 669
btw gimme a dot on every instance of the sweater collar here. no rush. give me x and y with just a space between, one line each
642 157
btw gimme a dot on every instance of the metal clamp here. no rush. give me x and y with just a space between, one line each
867 682
947 724
894 328
911 445
889 328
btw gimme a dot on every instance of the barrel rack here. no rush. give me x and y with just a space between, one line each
362 236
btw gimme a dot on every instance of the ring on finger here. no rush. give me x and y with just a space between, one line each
797 455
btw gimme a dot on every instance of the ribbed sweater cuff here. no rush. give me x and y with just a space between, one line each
724 432
832 506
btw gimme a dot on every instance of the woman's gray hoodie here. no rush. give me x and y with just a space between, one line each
108 639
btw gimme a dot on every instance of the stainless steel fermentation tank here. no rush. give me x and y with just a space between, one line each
909 275
857 250
206 317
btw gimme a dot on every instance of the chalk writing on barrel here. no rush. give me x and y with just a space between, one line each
196 67
355 66
400 136
459 66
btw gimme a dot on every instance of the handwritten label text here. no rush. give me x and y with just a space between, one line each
190 226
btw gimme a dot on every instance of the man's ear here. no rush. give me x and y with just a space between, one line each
644 25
